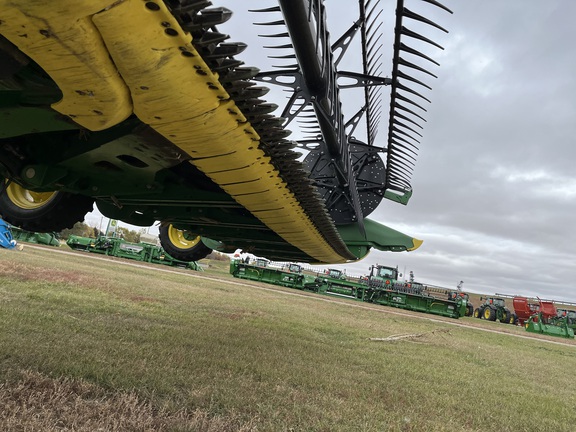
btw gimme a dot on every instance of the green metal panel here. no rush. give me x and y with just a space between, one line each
34 237
556 327
271 275
21 121
419 303
377 236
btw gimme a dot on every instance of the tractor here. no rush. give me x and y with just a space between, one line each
494 308
335 274
570 316
382 277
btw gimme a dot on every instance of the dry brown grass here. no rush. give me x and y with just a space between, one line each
33 402
126 348
29 273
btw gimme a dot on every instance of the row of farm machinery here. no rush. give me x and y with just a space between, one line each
120 248
536 315
12 237
382 286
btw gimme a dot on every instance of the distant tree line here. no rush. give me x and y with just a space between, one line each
83 230
215 255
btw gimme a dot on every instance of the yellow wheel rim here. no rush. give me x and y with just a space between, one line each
26 199
179 238
487 313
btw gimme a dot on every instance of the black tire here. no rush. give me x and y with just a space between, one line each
513 319
42 211
489 314
182 246
505 317
478 313
469 310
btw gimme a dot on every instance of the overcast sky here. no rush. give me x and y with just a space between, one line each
494 185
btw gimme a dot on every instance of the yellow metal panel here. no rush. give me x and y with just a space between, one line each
256 200
61 38
221 163
234 159
148 46
182 99
205 139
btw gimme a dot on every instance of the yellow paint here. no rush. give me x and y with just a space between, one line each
417 243
115 58
178 239
26 199
61 38
181 98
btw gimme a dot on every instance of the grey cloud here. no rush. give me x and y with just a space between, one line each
494 185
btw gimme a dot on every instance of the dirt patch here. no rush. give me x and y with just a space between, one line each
35 402
24 273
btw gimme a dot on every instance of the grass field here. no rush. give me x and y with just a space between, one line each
91 344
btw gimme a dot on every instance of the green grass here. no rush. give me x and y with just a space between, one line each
213 354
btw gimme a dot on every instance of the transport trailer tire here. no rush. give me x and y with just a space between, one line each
42 211
181 245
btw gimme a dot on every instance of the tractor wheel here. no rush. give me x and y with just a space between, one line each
182 245
505 318
469 310
42 211
489 314
478 313
513 319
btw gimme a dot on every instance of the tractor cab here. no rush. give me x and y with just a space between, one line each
569 314
294 268
382 276
261 262
335 274
496 302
